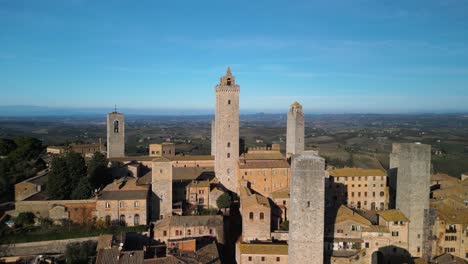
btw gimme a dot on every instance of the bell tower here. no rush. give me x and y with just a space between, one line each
226 130
115 135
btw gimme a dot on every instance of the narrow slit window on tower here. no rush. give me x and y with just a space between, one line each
116 126
229 81
229 155
229 102
308 203
229 144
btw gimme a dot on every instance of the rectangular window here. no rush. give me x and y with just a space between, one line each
394 233
367 244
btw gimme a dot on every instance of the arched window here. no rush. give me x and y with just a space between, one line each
116 126
228 171
251 215
262 216
107 205
359 205
228 81
229 155
108 219
136 204
122 219
121 204
189 232
372 206
229 144
136 220
382 206
382 194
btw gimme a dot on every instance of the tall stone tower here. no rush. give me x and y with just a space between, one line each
115 135
161 185
227 131
306 229
411 163
295 130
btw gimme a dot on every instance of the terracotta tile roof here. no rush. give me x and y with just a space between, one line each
206 183
443 177
345 213
264 249
248 198
264 155
281 193
191 220
113 256
263 164
448 259
376 229
132 158
345 172
451 213
192 173
191 157
125 184
123 195
393 215
124 189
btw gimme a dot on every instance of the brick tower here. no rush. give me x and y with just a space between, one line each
226 131
115 135
295 130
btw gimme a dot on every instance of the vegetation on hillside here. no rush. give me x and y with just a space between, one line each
19 161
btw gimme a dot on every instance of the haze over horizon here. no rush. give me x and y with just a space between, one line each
331 56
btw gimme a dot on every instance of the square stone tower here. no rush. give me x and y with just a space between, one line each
411 163
306 230
161 185
227 131
115 135
295 130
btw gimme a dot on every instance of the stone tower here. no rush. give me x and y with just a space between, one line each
213 138
227 131
115 135
306 230
161 185
295 130
411 163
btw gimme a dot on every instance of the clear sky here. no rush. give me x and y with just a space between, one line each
332 56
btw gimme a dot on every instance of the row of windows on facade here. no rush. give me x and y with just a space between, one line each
337 186
250 258
382 194
359 178
373 205
136 204
122 219
261 216
158 152
189 232
264 172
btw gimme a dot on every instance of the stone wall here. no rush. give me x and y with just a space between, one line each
44 208
306 229
34 248
295 130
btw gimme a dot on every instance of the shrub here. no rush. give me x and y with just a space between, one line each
25 219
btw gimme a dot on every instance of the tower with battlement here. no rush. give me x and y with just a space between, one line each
295 130
226 129
307 213
115 135
162 188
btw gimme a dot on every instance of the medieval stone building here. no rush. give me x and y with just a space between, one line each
295 130
115 135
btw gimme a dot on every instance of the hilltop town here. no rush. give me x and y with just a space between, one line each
284 202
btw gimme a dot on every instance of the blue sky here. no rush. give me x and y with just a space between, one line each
332 56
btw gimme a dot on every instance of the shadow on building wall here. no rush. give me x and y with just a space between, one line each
391 255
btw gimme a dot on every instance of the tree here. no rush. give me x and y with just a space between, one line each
80 253
99 174
6 146
224 201
58 181
285 226
25 219
83 190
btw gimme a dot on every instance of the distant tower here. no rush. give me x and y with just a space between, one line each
162 187
115 135
295 130
227 131
411 162
306 230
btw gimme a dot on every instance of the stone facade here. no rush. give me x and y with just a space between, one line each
412 162
359 188
256 215
162 187
227 131
295 130
262 253
31 186
79 211
162 150
182 227
115 135
306 229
